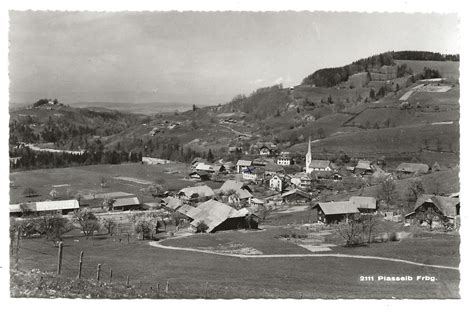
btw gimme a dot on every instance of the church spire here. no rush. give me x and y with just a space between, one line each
308 156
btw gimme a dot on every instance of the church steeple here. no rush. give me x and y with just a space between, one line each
308 156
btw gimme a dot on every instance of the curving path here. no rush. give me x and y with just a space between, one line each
263 256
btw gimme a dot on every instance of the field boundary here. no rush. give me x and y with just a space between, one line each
266 256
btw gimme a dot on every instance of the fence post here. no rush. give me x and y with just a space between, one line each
60 257
98 272
128 280
79 273
110 276
167 286
17 247
205 291
158 288
128 238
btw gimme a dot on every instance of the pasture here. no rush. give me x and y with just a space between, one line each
192 274
87 179
448 69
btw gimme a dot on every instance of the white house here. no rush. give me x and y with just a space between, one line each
276 183
242 164
284 159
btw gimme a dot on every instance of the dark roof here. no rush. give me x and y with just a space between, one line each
318 163
126 202
446 205
364 202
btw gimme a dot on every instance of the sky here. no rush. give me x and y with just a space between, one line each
199 57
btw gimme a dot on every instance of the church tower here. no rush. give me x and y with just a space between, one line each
308 156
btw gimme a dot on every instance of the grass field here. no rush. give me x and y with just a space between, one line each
190 274
448 69
86 179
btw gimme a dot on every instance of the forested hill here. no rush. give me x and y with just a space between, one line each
329 77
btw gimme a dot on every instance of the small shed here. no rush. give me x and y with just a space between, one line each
125 204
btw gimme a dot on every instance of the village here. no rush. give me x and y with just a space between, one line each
252 190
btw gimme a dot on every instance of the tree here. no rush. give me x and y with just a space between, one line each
330 101
54 226
146 224
372 93
387 191
201 227
109 224
53 193
369 223
415 189
194 107
210 156
87 221
108 204
350 231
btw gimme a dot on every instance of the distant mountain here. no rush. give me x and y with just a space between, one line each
140 108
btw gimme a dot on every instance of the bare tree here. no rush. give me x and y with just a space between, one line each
415 189
109 224
351 232
87 221
369 223
54 227
387 191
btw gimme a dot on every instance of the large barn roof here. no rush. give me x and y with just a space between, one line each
297 192
46 206
446 205
230 185
214 213
202 191
334 208
189 211
126 201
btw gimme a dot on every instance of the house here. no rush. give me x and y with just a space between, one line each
242 164
284 159
295 196
43 208
277 183
253 173
411 169
196 193
204 167
363 167
435 210
256 203
242 191
218 216
267 149
229 167
262 162
196 161
301 180
200 175
235 150
365 204
126 204
335 212
273 169
171 203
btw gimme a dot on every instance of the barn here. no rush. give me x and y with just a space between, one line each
335 212
126 204
435 211
43 208
218 216
295 196
365 204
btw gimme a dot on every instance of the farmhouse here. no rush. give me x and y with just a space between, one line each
242 164
363 167
435 210
267 149
125 204
295 196
171 203
284 159
43 208
335 212
410 169
200 175
218 216
197 193
365 204
242 191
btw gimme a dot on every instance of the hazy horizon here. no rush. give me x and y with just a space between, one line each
199 57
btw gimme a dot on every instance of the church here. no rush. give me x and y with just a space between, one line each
317 164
